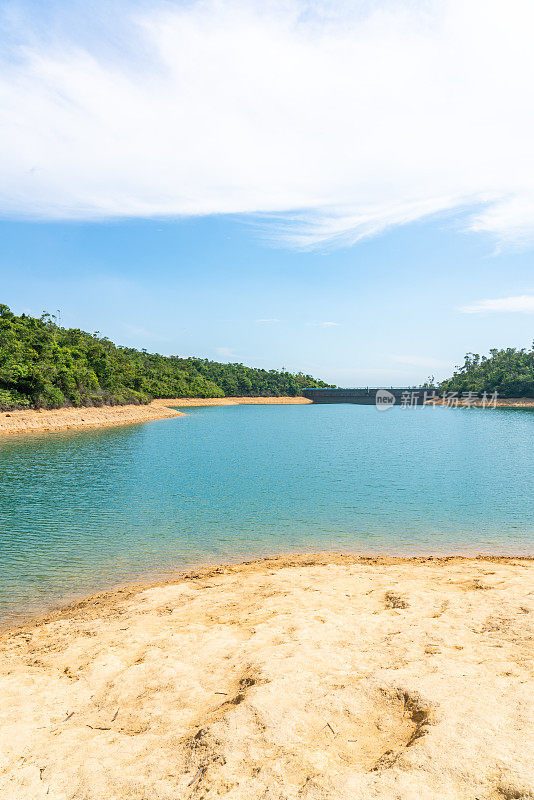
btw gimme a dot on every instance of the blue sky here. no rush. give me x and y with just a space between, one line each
213 288
345 188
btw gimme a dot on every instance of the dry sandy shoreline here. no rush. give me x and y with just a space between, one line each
313 677
522 402
234 401
509 402
31 421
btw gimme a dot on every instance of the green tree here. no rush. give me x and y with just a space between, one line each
45 366
510 372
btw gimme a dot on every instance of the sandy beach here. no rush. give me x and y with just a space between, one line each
505 402
325 677
521 402
235 401
32 421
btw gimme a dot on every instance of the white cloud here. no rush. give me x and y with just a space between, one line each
268 321
422 361
225 352
523 303
324 324
512 218
139 331
334 120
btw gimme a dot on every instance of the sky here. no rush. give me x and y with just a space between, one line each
345 188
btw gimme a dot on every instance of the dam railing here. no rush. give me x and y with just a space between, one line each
361 396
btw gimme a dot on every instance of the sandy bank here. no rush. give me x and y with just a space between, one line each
234 401
516 402
507 402
307 678
68 418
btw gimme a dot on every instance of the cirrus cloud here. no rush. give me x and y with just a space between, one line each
334 121
523 303
422 361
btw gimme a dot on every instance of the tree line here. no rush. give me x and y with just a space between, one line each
43 365
509 372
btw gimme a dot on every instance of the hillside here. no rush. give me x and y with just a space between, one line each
45 366
510 372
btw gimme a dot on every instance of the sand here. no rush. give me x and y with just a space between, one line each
235 401
32 421
511 402
298 678
505 402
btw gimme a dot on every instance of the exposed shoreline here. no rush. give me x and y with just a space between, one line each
505 402
234 401
34 421
107 597
63 606
515 402
305 677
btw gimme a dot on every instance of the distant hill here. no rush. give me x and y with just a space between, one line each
45 366
510 372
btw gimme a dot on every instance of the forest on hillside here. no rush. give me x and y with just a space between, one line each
43 365
509 372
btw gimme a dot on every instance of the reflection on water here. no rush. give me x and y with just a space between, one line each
84 510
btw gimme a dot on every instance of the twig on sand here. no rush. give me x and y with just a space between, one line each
200 772
115 715
221 693
331 728
41 770
98 728
68 716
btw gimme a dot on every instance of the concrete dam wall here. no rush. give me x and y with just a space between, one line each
359 396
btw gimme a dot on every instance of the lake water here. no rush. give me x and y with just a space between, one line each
86 510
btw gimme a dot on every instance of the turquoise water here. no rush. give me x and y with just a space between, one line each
85 510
